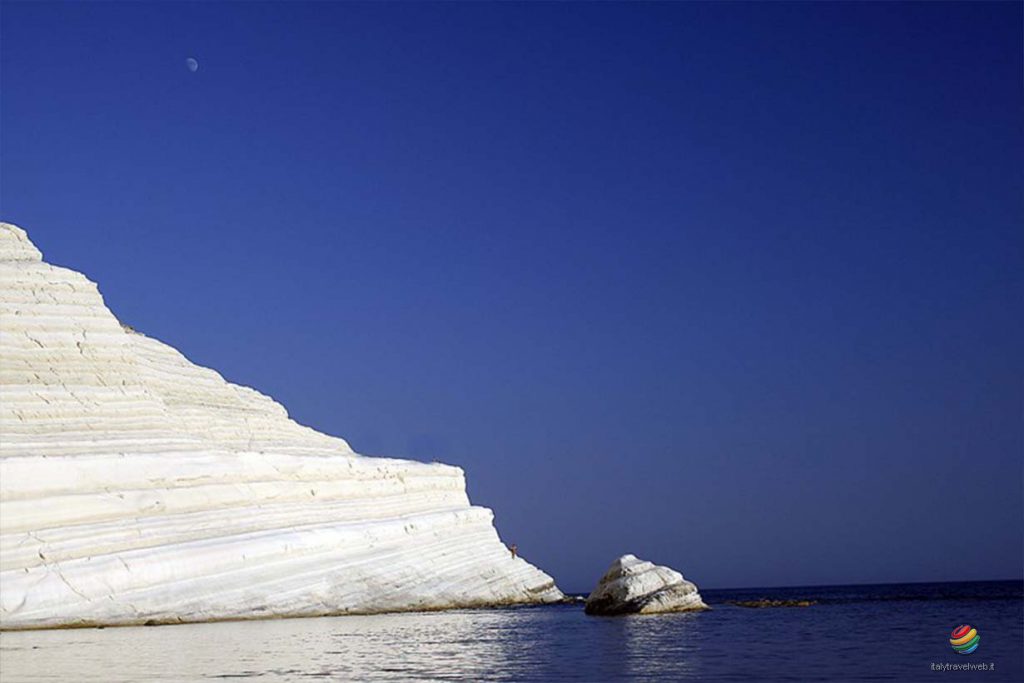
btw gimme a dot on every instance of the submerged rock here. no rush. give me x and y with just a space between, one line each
765 602
139 488
635 586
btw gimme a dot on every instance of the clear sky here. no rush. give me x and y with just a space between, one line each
734 287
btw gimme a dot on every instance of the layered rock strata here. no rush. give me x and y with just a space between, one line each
137 487
634 586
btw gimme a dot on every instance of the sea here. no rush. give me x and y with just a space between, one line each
852 633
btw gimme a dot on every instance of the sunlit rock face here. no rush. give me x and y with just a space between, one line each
634 586
137 487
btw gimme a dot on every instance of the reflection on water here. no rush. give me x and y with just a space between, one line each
676 639
510 644
555 643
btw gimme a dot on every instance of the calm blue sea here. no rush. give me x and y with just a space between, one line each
854 633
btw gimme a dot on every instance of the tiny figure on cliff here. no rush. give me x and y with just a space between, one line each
513 549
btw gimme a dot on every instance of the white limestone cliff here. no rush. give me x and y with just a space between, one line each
635 586
137 487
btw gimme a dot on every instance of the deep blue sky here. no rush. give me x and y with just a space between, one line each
733 287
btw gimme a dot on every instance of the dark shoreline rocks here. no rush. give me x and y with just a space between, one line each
765 602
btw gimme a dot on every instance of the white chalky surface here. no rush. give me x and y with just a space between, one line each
635 585
136 486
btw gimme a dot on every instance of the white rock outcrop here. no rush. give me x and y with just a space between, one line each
137 487
635 586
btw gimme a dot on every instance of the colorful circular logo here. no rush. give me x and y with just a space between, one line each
964 639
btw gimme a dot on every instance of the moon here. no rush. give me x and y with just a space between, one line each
192 64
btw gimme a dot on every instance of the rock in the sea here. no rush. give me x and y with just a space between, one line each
635 586
766 602
136 487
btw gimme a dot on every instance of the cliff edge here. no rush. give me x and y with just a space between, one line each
137 487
